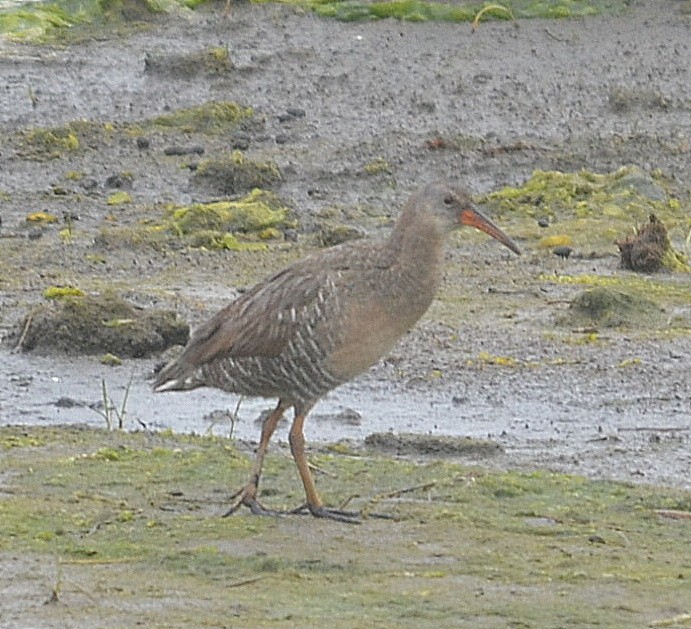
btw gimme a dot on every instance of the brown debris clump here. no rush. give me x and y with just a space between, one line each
645 251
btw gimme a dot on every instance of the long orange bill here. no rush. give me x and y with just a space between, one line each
473 217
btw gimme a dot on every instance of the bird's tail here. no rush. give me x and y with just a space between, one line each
175 377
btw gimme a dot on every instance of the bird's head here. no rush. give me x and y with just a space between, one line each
452 204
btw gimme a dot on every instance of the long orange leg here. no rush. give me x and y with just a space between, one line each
248 494
297 447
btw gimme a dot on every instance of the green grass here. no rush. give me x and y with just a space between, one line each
132 521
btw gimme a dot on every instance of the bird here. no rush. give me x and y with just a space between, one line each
322 321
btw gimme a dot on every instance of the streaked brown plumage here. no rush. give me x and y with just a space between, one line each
322 321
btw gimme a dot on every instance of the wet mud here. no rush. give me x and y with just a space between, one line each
348 119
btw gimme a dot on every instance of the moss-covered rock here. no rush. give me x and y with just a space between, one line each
86 324
235 174
608 307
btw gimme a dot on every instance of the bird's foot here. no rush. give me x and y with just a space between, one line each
248 498
340 515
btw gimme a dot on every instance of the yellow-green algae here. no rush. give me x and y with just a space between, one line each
672 292
210 117
591 209
58 292
41 217
120 197
242 225
133 521
257 211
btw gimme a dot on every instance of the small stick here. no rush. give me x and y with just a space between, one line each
671 622
321 470
247 581
674 514
405 490
25 331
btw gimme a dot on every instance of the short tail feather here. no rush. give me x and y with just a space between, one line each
173 377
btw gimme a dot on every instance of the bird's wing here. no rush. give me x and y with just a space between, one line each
260 323
266 318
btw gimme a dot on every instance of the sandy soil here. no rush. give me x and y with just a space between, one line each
596 94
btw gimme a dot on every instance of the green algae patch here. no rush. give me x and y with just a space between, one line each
78 136
74 137
107 510
210 118
33 22
419 11
71 20
253 213
89 324
590 209
234 173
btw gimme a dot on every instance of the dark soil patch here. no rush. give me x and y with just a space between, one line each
431 445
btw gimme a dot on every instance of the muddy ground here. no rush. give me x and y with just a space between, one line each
331 100
351 113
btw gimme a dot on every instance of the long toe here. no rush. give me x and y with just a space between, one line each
351 517
247 499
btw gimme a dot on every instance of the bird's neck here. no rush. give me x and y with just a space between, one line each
418 240
417 245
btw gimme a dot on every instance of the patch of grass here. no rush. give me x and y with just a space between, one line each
526 548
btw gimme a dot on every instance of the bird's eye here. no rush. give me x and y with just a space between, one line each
448 200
